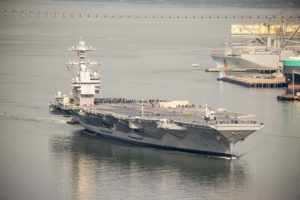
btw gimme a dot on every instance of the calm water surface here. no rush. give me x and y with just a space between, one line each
43 158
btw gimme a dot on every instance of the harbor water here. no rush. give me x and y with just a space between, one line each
41 157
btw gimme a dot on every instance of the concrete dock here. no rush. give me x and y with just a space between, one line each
257 82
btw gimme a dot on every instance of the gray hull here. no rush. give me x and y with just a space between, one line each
194 138
246 62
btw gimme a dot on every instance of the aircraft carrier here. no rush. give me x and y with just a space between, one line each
174 125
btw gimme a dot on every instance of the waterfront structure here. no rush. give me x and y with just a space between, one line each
256 82
254 46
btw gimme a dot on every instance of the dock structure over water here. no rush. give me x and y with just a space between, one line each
276 82
263 70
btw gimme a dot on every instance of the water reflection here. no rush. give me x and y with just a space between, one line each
96 164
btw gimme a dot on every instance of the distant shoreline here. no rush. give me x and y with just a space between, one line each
201 3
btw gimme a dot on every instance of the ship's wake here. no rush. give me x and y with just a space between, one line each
46 120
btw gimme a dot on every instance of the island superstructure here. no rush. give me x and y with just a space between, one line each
173 125
85 82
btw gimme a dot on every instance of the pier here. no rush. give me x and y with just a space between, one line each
257 70
276 82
